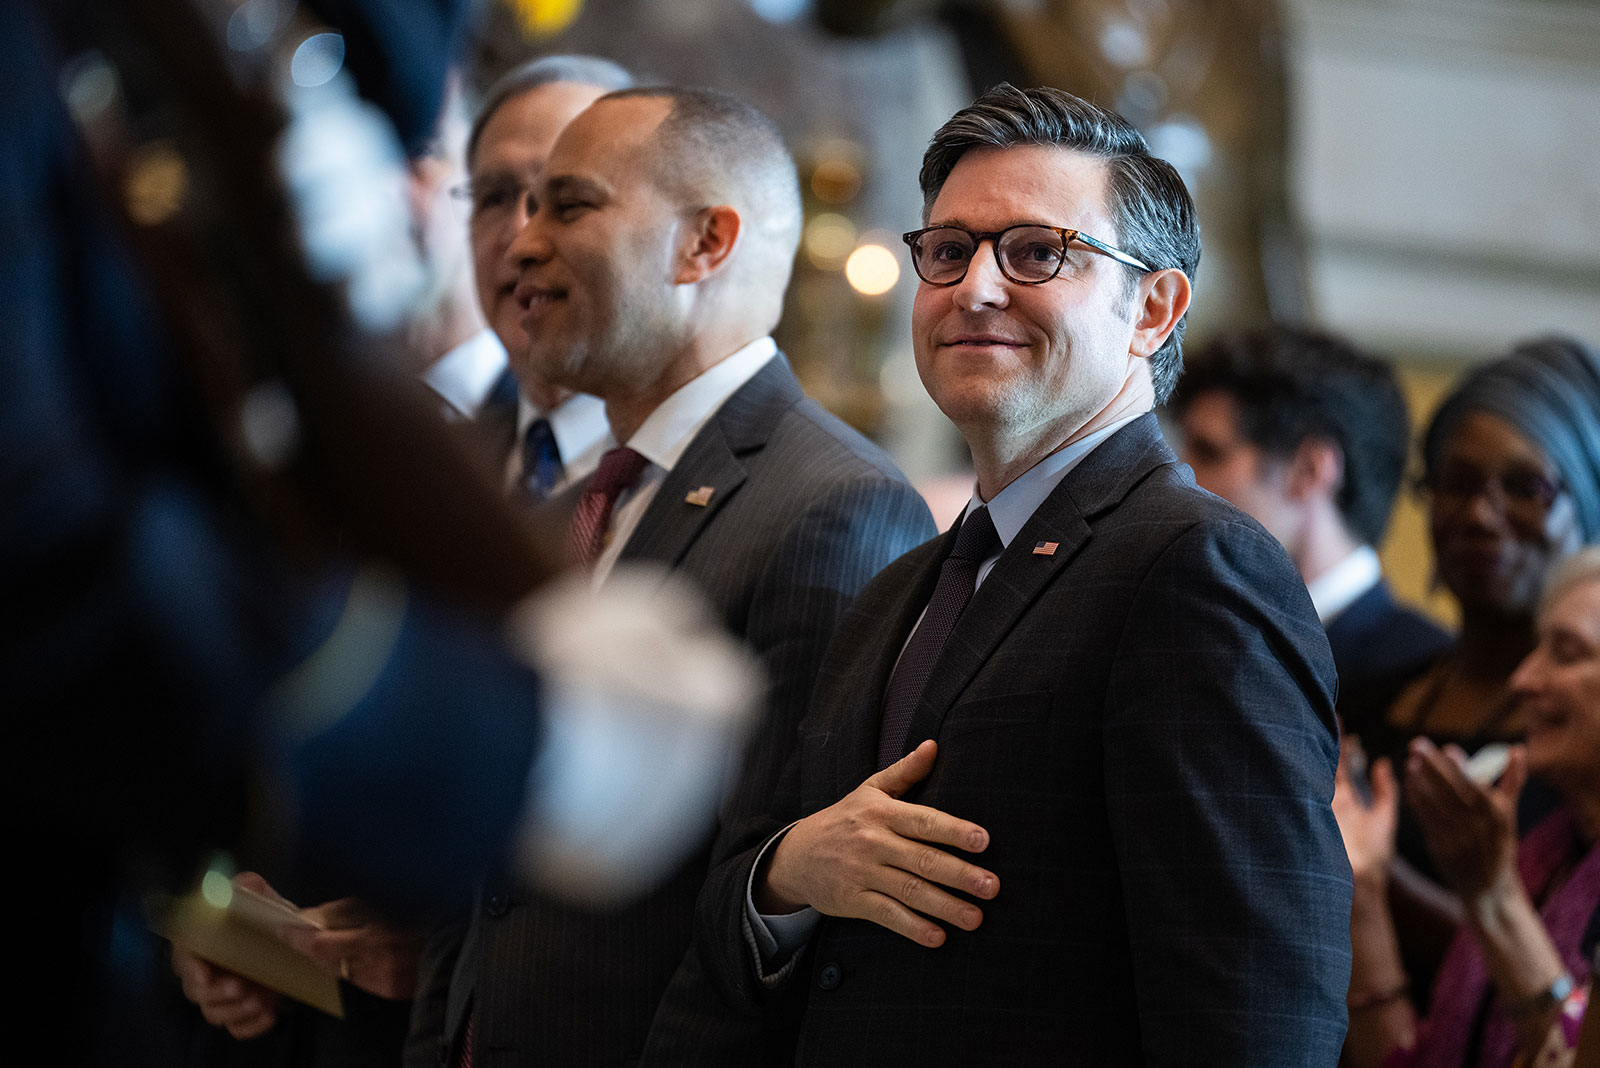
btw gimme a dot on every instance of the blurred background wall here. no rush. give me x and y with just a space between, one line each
1420 175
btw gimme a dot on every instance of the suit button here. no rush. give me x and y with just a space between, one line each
830 976
496 905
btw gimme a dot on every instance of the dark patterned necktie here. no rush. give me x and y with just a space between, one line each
541 460
976 541
619 469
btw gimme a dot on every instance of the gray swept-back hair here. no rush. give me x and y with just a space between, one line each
546 70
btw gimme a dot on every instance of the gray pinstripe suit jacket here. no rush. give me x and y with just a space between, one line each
1143 722
804 511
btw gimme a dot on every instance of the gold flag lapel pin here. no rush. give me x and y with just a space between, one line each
700 497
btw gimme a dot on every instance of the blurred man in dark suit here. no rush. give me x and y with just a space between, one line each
232 621
1310 437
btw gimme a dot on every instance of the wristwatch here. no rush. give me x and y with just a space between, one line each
1545 1000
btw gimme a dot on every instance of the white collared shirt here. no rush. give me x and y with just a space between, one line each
1342 585
464 376
666 433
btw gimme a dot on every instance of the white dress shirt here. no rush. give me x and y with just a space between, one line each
664 435
463 376
1342 585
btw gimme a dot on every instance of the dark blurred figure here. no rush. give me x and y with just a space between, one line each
1512 990
231 617
1310 436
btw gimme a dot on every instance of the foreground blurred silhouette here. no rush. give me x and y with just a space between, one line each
254 589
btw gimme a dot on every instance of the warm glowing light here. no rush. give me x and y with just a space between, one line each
828 240
872 270
155 184
544 18
836 180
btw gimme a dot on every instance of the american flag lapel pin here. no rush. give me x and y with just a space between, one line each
1046 548
700 497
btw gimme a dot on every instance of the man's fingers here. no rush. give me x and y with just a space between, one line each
927 898
923 824
254 882
906 772
887 912
927 863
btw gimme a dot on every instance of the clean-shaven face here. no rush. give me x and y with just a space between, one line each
1231 466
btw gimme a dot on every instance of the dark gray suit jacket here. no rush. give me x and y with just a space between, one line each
1143 722
803 511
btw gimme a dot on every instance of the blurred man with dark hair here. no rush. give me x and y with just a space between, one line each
1310 436
1100 709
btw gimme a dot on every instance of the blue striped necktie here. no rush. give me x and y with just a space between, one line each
541 460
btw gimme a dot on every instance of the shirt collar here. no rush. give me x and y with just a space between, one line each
464 375
667 431
1013 506
1342 584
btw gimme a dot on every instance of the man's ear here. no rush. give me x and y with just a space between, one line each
1315 470
708 240
1163 297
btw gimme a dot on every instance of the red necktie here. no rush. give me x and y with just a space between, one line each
619 469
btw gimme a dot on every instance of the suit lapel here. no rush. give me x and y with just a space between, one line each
1020 575
716 461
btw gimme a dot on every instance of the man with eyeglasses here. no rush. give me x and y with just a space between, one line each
1063 792
558 435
